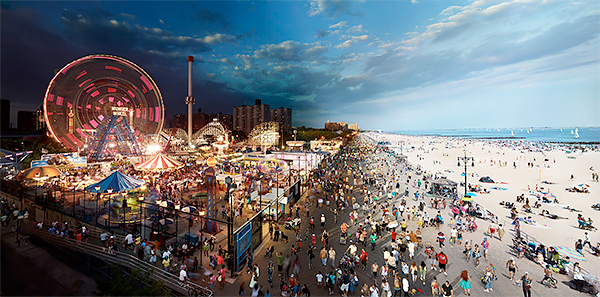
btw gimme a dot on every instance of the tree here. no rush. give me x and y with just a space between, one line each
130 283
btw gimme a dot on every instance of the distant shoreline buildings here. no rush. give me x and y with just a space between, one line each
201 119
340 126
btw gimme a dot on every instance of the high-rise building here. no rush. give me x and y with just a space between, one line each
247 117
40 123
336 126
26 120
284 117
4 116
354 127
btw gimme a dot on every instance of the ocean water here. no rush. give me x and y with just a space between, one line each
535 134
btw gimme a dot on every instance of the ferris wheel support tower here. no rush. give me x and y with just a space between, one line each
189 100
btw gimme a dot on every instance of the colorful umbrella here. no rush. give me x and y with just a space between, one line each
40 172
566 251
584 185
467 199
471 195
166 203
189 209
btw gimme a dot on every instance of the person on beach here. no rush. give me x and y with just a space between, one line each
465 282
511 264
422 271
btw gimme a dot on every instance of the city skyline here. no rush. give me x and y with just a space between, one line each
385 65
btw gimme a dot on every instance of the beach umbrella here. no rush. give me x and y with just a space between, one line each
584 185
189 209
566 251
471 195
40 172
467 199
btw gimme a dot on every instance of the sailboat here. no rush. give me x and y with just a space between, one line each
576 133
512 133
560 130
572 132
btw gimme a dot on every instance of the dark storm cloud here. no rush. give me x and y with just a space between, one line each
32 51
97 29
322 33
214 17
30 54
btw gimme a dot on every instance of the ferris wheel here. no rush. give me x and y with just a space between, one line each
86 93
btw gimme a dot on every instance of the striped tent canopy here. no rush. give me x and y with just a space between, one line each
117 182
159 162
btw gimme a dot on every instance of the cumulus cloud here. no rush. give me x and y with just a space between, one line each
291 51
355 29
331 8
341 24
345 44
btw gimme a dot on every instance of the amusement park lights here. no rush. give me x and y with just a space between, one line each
153 148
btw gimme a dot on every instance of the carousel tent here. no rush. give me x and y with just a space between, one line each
159 162
118 182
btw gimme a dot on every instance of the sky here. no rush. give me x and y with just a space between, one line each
390 65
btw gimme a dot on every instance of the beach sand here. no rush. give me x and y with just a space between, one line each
424 150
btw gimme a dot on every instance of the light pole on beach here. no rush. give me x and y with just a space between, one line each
465 161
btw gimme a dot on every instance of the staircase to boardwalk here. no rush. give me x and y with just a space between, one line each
170 280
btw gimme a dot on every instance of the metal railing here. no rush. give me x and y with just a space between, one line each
170 280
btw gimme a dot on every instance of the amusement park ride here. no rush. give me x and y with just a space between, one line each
105 105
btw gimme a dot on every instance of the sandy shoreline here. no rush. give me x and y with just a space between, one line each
497 159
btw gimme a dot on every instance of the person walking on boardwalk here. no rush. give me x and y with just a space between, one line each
511 264
465 282
526 284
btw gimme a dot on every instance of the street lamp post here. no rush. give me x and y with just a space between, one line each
97 198
228 181
110 190
465 161
141 205
260 177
